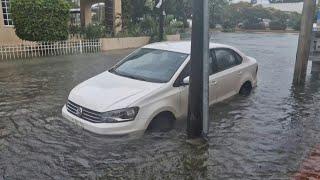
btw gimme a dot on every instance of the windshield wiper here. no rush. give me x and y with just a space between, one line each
134 77
124 75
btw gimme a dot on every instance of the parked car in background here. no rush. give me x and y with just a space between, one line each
149 88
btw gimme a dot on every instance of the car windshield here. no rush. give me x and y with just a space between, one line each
152 65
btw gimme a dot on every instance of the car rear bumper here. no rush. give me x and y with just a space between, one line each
102 128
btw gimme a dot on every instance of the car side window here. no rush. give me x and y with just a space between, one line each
187 69
226 58
211 62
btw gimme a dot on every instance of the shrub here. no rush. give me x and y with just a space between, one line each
259 26
93 31
147 26
41 20
228 26
294 21
174 27
74 30
277 25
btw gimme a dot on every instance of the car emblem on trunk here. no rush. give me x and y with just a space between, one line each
79 111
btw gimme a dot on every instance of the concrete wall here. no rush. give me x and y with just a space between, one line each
123 43
7 33
130 42
175 37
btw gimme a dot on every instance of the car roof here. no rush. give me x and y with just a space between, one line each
181 46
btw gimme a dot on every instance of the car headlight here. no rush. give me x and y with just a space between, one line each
121 115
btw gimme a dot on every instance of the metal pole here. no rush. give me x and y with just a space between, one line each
303 51
198 109
161 21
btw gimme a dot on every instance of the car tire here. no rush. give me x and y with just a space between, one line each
163 122
246 89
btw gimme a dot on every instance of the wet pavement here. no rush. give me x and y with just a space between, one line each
272 134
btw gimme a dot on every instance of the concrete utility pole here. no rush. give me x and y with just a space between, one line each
198 111
303 51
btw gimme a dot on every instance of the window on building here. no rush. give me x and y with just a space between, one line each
6 12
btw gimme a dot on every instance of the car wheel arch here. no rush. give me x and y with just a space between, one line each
246 86
168 111
246 78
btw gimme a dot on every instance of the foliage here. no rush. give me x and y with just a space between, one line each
41 20
173 26
252 17
257 26
142 18
93 31
277 25
217 10
180 9
279 16
294 21
285 1
135 10
74 29
279 20
145 27
73 3
228 26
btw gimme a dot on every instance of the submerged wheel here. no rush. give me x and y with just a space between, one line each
162 123
246 89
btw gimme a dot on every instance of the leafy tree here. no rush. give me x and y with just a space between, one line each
294 21
285 1
180 9
73 3
217 11
41 20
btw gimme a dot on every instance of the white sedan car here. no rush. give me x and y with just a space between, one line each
149 88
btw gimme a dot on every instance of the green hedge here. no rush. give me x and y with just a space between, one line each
277 25
41 20
253 26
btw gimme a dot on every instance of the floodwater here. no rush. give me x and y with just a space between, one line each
265 136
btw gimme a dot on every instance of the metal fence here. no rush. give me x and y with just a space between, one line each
39 49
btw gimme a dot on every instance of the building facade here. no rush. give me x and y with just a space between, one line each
7 31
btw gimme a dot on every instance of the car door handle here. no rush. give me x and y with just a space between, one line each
240 72
214 83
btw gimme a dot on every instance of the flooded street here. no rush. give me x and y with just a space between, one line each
265 136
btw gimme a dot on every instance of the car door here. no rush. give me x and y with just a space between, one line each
213 83
228 73
184 90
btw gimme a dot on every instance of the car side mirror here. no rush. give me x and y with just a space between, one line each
186 81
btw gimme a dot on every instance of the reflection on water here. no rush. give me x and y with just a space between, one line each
266 135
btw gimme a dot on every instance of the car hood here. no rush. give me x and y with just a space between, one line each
108 91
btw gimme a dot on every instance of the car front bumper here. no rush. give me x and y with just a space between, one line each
102 128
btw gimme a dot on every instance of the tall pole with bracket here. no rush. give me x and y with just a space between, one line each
198 109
